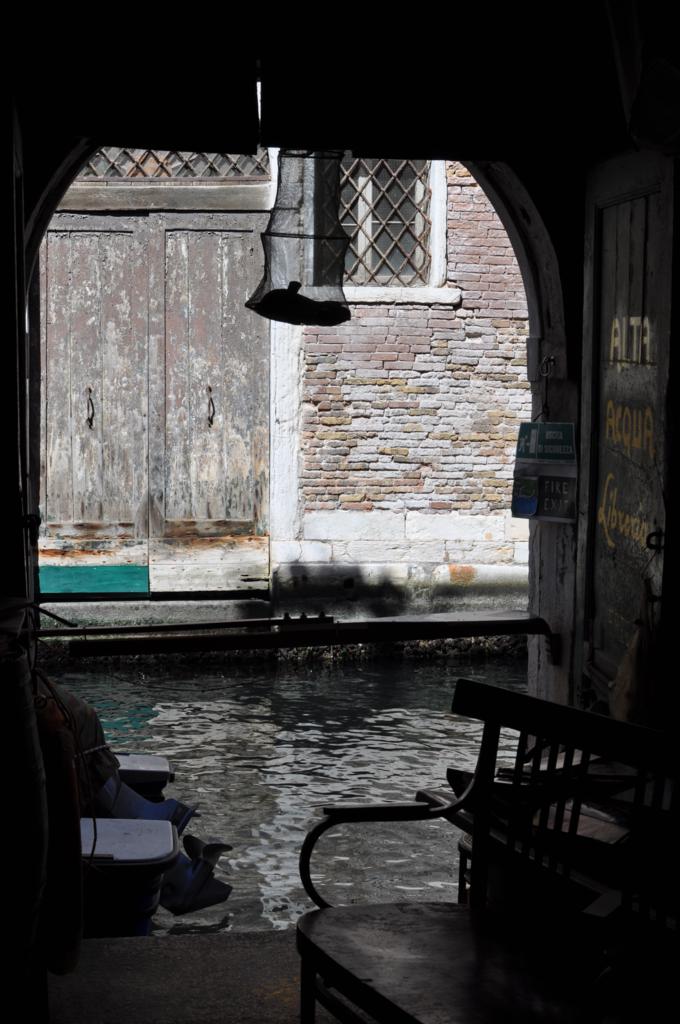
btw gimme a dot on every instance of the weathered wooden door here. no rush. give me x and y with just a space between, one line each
209 439
94 486
155 405
626 369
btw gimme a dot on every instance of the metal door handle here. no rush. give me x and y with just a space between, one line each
90 409
211 408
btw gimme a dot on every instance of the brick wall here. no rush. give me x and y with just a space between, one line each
416 407
480 259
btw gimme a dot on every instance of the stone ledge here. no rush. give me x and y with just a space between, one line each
366 551
423 295
402 526
449 526
299 551
349 525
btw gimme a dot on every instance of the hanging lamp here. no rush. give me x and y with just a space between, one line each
304 244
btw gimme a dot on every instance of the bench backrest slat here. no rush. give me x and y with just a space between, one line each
604 737
588 804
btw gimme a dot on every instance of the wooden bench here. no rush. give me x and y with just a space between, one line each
573 903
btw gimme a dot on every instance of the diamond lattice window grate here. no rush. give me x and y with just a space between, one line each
155 164
385 209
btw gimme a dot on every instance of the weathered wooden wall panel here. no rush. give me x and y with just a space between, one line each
246 352
174 355
216 378
124 326
211 480
57 493
94 487
86 378
630 450
178 576
208 469
215 563
624 422
71 550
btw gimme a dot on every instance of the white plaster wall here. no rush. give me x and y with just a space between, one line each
284 417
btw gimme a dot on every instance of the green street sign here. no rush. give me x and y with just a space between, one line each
546 442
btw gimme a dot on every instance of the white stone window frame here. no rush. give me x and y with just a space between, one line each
436 291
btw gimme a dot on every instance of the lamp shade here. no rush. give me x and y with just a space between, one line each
304 244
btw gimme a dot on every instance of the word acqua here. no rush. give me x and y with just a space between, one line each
630 428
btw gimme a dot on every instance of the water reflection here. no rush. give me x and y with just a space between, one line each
263 749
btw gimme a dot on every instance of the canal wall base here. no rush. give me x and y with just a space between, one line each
353 591
346 592
152 612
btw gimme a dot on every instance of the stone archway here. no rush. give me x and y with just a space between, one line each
552 548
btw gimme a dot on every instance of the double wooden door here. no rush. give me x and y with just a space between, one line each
155 404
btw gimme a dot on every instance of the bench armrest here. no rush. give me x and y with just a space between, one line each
426 806
412 810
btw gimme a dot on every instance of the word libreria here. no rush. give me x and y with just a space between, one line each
615 521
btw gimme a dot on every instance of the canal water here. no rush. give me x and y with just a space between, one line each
263 747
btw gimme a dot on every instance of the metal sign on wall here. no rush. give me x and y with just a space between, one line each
545 473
